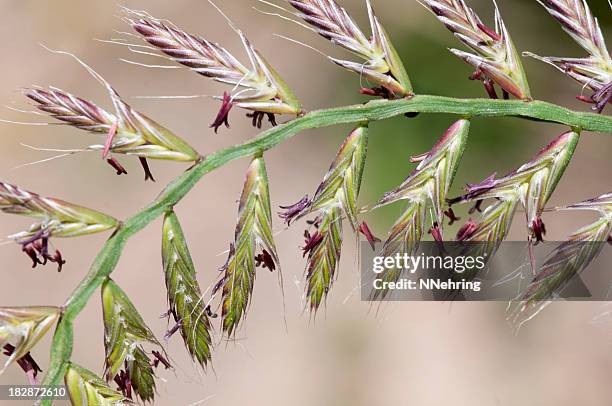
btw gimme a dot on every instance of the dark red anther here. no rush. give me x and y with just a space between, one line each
218 285
452 217
379 91
173 330
316 222
467 230
32 254
58 259
436 232
160 358
210 313
116 166
265 260
294 210
27 364
223 114
477 207
365 230
258 116
147 170
311 242
610 239
124 383
490 88
477 75
539 229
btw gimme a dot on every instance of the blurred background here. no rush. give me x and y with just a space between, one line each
406 353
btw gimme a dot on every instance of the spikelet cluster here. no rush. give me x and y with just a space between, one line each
425 190
382 65
57 217
253 246
529 186
494 55
569 259
125 332
594 71
128 131
258 88
336 196
23 327
184 296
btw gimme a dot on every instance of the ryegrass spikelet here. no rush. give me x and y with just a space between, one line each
128 131
496 58
86 388
335 196
253 233
258 88
23 327
594 71
382 67
184 295
124 333
426 188
569 259
57 218
532 185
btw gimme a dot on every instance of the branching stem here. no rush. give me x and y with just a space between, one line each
107 259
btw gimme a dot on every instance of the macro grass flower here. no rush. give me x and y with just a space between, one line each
494 56
531 185
184 296
22 327
125 332
424 191
258 88
569 259
382 65
132 352
253 246
594 71
128 132
336 196
57 218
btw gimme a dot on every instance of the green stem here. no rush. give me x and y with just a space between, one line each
108 257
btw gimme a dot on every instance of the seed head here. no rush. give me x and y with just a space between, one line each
532 185
594 71
425 190
57 219
86 388
184 295
569 259
128 131
335 196
253 237
382 67
258 88
124 334
495 57
23 327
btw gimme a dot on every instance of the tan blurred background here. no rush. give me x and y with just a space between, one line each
408 353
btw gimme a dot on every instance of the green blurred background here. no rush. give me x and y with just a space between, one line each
406 353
